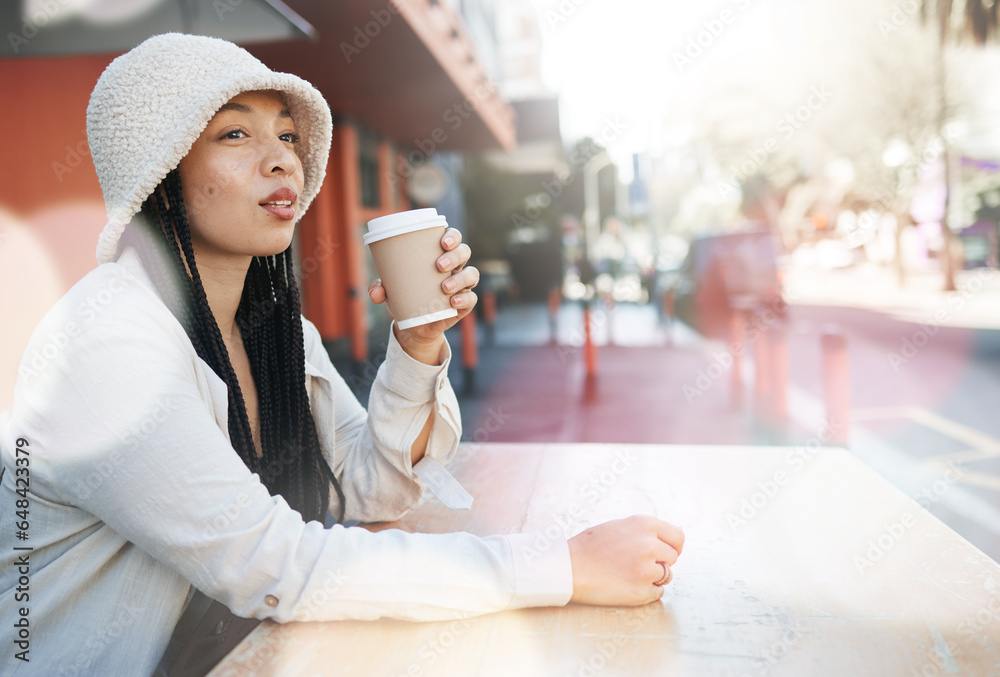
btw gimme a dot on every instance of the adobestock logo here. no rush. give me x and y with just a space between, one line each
712 30
723 361
864 228
551 189
562 12
607 648
37 15
910 346
133 437
75 156
936 491
779 649
103 637
768 488
898 16
452 118
786 126
593 490
878 547
38 358
363 35
431 650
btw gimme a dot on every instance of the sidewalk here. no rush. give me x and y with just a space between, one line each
660 384
663 385
976 304
654 384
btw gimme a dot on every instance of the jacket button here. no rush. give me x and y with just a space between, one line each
271 600
442 383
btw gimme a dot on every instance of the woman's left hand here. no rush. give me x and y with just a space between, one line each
423 342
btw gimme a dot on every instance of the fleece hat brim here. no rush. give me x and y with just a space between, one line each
152 103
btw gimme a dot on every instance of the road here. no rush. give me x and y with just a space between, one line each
923 396
924 408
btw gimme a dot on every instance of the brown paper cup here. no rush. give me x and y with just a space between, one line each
407 265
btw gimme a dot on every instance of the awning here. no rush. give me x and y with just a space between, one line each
52 28
406 69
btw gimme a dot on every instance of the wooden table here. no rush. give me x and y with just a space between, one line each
797 562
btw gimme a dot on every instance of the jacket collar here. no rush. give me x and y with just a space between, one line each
133 263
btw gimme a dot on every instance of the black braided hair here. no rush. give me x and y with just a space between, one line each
292 463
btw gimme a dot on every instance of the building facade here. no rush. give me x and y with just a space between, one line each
407 84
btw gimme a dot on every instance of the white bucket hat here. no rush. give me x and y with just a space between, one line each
152 103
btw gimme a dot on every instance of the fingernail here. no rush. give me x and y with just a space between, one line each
445 263
449 241
449 284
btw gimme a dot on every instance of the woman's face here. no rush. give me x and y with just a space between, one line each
242 179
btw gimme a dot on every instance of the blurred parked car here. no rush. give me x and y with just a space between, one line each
980 246
722 273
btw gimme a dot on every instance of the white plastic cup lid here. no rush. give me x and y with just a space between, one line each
392 221
401 223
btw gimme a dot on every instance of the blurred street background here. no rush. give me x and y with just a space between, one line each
766 222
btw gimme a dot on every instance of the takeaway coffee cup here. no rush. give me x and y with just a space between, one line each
406 247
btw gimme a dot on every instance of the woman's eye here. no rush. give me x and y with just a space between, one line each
234 134
290 137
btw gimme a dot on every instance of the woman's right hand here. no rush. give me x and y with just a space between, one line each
616 563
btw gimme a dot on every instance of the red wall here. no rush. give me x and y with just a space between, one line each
47 178
45 110
48 183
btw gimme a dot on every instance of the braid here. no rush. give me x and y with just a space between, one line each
297 342
208 328
269 318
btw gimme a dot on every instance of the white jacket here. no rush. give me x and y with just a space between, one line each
134 493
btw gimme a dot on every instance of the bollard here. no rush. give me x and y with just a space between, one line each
609 314
762 387
470 352
836 384
358 332
669 299
589 349
669 308
490 315
778 355
555 300
513 292
737 321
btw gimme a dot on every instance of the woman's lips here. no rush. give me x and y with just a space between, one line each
281 203
281 209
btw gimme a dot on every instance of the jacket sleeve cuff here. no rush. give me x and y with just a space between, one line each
411 379
543 573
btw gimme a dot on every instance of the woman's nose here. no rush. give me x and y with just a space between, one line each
279 157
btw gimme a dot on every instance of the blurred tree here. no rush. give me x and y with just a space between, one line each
805 125
891 131
955 22
963 19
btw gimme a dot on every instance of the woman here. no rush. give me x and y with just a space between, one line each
186 431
